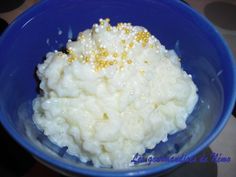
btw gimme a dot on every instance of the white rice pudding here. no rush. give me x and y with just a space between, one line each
115 93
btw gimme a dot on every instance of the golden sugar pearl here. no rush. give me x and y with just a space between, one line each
101 49
108 28
151 46
119 26
101 64
104 52
155 105
97 56
103 148
129 61
68 51
143 44
127 31
112 62
131 44
97 68
115 54
105 116
122 41
86 59
142 36
141 71
124 55
71 59
107 20
101 21
146 62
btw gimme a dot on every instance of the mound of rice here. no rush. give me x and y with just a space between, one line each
114 93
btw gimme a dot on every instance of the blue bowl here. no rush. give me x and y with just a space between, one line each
49 24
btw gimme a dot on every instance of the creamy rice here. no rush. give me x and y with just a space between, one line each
116 92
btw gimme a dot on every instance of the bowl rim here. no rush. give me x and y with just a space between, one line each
128 172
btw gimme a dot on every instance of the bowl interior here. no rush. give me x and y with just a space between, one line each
48 26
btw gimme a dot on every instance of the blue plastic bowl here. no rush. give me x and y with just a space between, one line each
204 55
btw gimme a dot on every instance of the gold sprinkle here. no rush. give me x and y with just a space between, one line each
72 57
105 116
124 55
119 26
87 59
131 45
101 22
70 60
143 37
108 28
141 71
155 105
111 62
68 51
127 31
115 54
97 56
101 64
103 149
122 41
102 52
105 53
129 61
107 20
